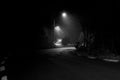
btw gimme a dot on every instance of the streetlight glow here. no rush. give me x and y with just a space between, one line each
58 43
64 14
59 40
57 28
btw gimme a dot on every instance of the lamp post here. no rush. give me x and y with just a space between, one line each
58 33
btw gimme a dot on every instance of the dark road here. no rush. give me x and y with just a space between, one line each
62 67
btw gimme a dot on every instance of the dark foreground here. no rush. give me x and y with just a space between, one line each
61 67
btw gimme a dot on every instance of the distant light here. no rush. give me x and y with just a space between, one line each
64 14
58 43
59 40
57 28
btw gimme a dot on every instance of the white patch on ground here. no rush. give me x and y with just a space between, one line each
91 57
111 60
59 50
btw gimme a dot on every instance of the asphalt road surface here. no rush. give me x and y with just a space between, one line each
49 66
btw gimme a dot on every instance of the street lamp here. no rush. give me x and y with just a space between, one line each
64 14
58 42
57 28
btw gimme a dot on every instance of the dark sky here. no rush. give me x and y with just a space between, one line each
28 20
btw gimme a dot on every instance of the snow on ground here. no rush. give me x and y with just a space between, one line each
111 60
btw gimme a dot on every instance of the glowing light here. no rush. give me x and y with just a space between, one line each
57 28
64 14
59 42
